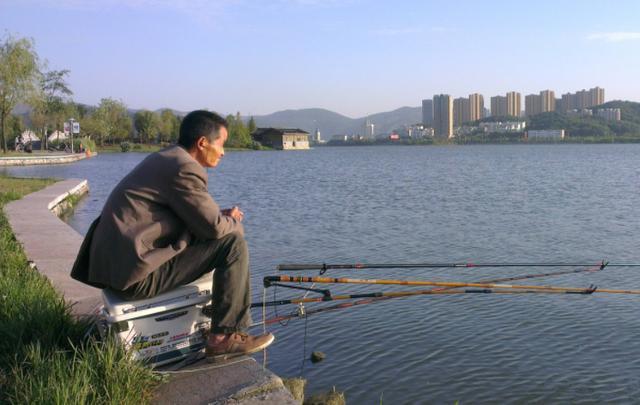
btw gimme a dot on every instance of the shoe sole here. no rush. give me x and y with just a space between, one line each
227 356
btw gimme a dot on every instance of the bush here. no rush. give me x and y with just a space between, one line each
125 146
87 143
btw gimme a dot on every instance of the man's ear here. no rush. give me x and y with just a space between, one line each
200 142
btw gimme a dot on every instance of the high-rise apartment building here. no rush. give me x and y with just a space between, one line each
427 113
582 99
548 100
611 114
597 96
539 103
513 104
443 115
532 104
461 111
498 106
476 107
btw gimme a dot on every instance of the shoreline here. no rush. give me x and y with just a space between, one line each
42 159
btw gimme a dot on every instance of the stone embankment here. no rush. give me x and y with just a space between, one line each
51 246
43 159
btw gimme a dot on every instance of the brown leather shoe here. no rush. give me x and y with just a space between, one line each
236 344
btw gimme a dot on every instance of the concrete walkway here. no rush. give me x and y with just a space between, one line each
51 245
43 159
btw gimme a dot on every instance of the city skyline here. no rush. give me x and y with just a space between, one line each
354 57
471 109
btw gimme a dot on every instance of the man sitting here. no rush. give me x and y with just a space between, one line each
160 229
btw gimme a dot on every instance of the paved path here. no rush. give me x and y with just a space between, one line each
49 243
204 383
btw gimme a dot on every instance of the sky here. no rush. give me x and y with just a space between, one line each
354 57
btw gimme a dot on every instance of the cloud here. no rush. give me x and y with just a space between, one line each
614 36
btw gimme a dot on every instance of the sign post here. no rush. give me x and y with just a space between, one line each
75 129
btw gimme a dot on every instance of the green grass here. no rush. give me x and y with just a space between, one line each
45 356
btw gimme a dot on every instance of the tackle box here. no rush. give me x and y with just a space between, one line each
162 329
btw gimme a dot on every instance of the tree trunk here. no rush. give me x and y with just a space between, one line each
2 137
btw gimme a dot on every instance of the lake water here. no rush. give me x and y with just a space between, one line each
517 203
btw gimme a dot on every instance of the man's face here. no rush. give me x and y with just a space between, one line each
210 153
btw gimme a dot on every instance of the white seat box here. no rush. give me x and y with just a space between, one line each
162 329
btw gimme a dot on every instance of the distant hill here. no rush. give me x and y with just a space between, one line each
331 123
629 110
584 126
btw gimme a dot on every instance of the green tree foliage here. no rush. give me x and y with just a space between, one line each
15 126
19 77
169 126
504 118
113 121
91 126
239 136
53 108
252 125
147 125
629 110
576 126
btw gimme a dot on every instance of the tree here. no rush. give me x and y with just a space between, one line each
19 77
15 126
169 126
113 120
238 133
252 125
91 126
52 110
146 123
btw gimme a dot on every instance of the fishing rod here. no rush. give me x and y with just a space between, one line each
269 280
372 300
396 294
323 267
600 267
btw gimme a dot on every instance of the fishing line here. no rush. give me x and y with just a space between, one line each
264 326
304 345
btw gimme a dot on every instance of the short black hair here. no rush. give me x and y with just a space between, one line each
200 123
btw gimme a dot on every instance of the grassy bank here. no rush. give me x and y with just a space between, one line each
45 355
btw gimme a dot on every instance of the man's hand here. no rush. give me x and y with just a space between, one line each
234 213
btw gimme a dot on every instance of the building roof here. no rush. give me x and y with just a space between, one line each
57 136
28 136
283 130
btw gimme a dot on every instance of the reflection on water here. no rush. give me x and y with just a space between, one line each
440 204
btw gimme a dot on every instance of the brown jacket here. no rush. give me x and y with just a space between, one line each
151 216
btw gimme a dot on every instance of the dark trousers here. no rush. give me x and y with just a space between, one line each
231 285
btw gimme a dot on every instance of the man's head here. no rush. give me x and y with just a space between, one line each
203 134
